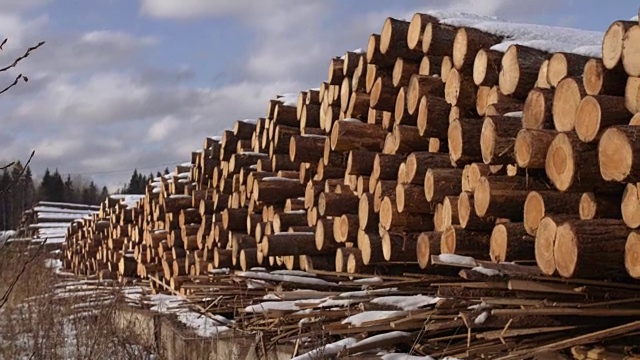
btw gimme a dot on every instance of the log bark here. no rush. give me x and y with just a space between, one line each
385 166
419 86
402 72
538 109
428 244
416 29
401 114
358 107
282 221
336 204
277 190
336 71
410 198
306 148
349 135
390 218
509 242
432 120
591 248
562 64
375 56
393 40
430 65
598 80
325 239
486 67
539 204
572 165
498 203
594 206
399 247
370 245
520 67
418 163
439 183
612 43
464 141
367 216
467 43
467 216
285 244
619 154
460 90
459 241
596 113
531 147
407 139
438 39
351 61
383 188
497 139
360 162
566 100
383 94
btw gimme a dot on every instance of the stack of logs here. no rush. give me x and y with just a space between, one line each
428 143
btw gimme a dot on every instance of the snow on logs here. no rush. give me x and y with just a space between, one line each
431 141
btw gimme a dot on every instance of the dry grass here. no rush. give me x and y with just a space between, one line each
49 316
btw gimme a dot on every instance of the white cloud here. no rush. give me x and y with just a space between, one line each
191 9
161 129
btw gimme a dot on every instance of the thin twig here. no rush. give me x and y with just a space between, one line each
7 293
17 178
17 60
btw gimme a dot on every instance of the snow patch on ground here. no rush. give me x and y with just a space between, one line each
406 303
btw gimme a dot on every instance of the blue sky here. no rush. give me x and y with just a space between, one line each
122 84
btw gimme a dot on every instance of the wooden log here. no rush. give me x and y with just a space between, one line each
383 94
375 56
632 255
596 113
562 64
370 245
439 183
416 29
324 236
486 67
336 71
432 118
497 139
467 43
428 244
542 81
482 98
613 42
520 66
630 56
617 154
631 94
383 188
407 139
385 166
450 211
282 221
630 205
351 61
545 240
438 39
430 65
399 247
367 216
538 109
345 228
489 201
393 40
566 99
572 165
591 248
349 135
509 242
459 241
409 198
531 145
276 190
402 72
336 204
539 204
598 80
464 141
594 206
285 244
418 163
419 86
445 68
306 148
467 216
390 218
401 114
460 90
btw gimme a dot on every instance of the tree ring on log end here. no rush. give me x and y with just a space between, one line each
632 255
423 250
588 206
487 140
448 240
588 119
482 197
631 206
615 155
498 243
544 246
454 140
559 164
534 211
566 251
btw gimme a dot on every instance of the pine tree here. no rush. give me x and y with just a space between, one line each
69 192
104 193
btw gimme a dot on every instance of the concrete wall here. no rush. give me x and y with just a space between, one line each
176 342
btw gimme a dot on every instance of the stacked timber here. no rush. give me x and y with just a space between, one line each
430 146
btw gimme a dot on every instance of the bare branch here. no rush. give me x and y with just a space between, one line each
15 180
8 165
7 293
3 42
17 60
14 83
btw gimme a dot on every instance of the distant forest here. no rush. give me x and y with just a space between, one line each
19 191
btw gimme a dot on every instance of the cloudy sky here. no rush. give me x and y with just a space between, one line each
124 84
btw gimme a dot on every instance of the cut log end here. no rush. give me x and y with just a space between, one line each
612 44
632 255
482 197
498 243
544 246
488 140
565 251
534 211
615 155
630 206
455 140
559 164
588 118
588 206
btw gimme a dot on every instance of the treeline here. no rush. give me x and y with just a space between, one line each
19 191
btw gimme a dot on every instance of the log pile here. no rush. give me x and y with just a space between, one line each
428 146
